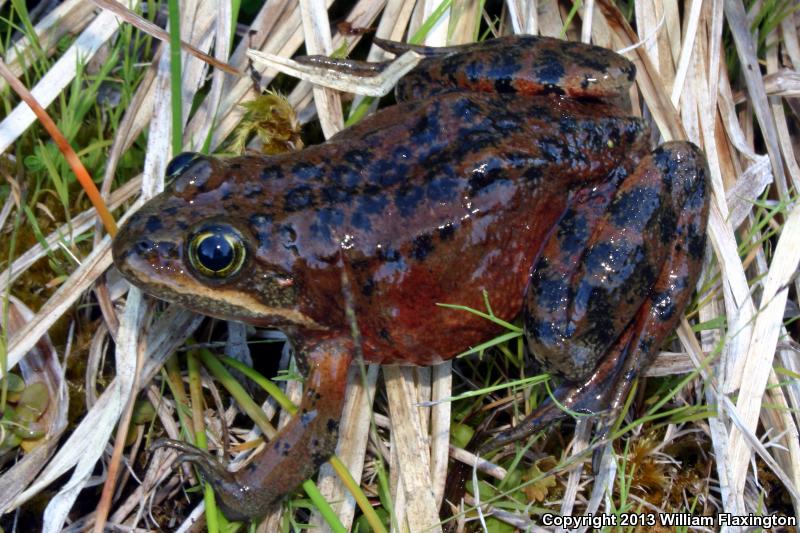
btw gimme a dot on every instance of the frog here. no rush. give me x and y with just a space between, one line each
505 168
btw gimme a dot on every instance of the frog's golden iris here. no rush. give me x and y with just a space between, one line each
217 251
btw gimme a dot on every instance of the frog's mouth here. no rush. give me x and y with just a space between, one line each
157 268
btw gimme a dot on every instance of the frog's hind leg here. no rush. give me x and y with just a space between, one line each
681 169
295 453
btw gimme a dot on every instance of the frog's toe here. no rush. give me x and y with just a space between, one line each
227 488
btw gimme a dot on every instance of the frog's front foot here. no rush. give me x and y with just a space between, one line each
597 319
223 481
295 453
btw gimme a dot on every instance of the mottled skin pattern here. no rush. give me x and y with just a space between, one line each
490 174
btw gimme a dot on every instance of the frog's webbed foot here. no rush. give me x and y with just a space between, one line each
650 236
593 397
295 453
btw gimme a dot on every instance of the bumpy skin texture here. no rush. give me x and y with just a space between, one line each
495 172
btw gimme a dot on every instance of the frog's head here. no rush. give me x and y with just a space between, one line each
195 245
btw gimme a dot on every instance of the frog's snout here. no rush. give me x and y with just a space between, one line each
140 257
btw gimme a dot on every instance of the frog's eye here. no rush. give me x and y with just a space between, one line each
180 163
217 251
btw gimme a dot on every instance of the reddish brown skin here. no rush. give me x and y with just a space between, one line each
544 198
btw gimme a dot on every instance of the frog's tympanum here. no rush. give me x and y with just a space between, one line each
503 168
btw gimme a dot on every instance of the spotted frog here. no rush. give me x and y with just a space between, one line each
504 167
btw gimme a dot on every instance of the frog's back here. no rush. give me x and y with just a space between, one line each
438 199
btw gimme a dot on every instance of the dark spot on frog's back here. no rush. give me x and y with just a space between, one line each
447 231
346 176
502 71
389 255
153 224
466 110
473 140
307 171
408 198
443 189
550 71
428 128
336 194
486 174
326 221
388 173
666 163
568 125
368 288
261 225
360 221
272 172
373 204
301 197
554 149
533 175
358 158
332 425
472 70
587 59
634 128
422 246
252 189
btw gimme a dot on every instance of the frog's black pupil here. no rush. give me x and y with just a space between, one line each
215 252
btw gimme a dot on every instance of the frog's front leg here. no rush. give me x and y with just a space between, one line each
296 452
600 302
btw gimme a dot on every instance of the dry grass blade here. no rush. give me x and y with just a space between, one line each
317 31
378 85
737 22
765 337
151 29
421 512
128 348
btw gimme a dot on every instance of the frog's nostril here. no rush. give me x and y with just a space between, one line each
145 246
154 249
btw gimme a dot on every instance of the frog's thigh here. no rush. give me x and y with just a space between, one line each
683 167
602 263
